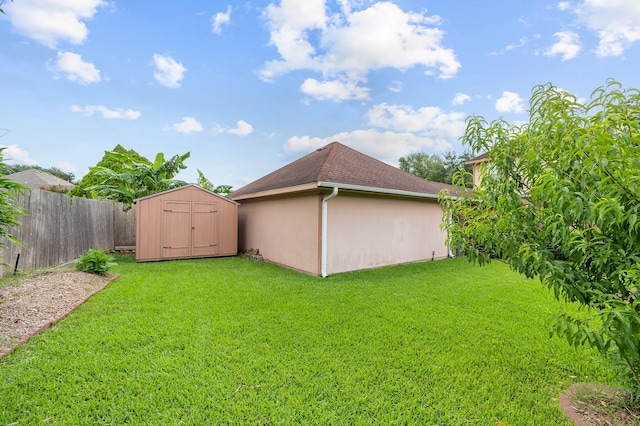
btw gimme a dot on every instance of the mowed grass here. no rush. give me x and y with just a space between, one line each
232 341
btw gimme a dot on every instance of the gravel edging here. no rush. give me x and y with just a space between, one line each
61 304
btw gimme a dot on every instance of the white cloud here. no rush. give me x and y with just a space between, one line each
385 36
344 46
512 46
220 19
386 146
396 131
568 45
563 5
188 125
67 167
617 23
14 155
52 21
169 73
107 113
76 68
460 98
433 122
335 90
395 86
510 102
521 43
242 129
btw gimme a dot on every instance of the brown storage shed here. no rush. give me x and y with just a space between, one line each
185 222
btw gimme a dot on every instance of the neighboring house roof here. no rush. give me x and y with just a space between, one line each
479 159
338 164
39 179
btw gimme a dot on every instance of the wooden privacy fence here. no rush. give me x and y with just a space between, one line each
58 229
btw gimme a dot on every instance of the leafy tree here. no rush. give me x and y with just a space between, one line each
560 200
423 165
110 162
137 179
433 167
209 186
9 211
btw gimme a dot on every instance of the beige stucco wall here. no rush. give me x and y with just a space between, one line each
285 230
478 170
365 232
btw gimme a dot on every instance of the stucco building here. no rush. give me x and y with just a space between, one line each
337 210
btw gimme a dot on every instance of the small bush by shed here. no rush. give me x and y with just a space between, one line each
185 222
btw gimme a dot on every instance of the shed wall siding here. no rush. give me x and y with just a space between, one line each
365 232
150 221
285 230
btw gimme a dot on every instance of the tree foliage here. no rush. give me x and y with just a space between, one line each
110 162
209 186
137 179
9 211
560 200
434 168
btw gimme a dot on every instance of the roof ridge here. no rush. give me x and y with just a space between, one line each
328 161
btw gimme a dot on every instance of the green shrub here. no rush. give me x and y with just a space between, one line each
95 261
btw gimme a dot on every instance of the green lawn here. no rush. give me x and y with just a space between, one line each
232 341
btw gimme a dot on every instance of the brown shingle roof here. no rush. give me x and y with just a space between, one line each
337 163
478 159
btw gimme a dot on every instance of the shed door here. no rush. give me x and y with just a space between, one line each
189 229
204 228
176 235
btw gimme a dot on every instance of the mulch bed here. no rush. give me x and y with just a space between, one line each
36 302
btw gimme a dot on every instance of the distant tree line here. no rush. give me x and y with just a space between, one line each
435 168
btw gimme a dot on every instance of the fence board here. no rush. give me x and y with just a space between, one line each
59 229
125 227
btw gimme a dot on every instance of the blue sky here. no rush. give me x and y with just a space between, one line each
247 87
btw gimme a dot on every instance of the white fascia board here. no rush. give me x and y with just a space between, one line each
377 190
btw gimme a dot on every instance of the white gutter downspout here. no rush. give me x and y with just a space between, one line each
323 260
451 254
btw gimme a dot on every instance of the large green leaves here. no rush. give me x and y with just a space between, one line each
137 179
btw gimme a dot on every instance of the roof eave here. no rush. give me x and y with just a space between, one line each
377 190
482 158
183 187
277 191
344 186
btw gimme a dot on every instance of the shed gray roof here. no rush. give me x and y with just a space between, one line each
337 163
34 178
